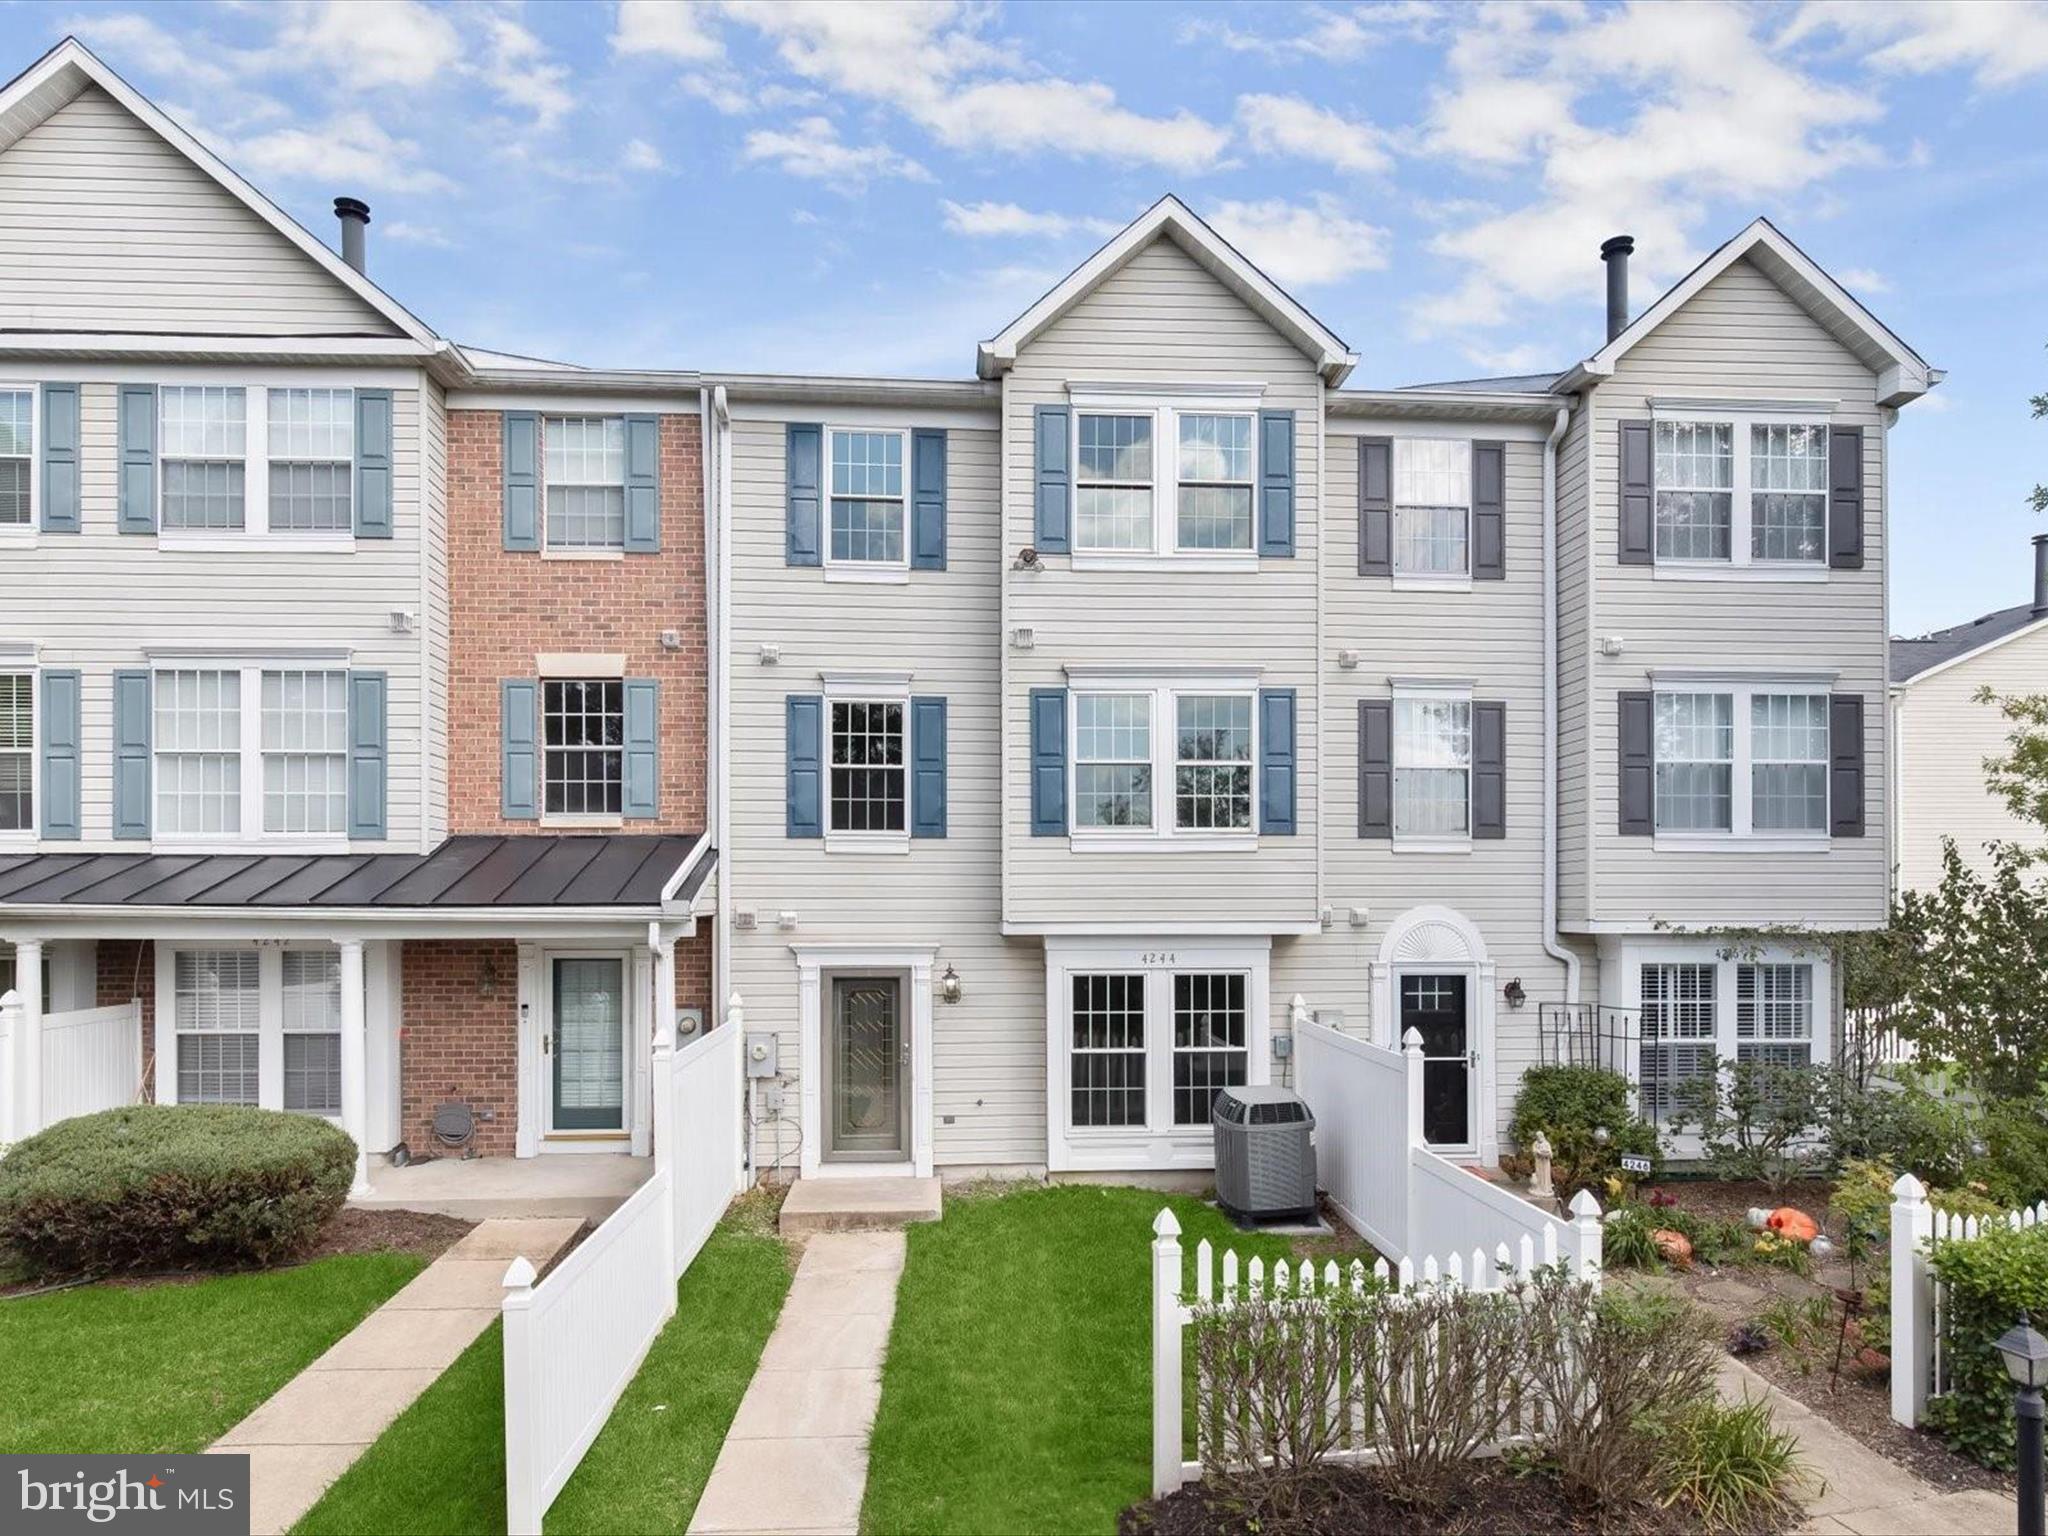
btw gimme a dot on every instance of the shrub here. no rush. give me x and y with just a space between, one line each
1730 1467
1862 1207
1571 1105
1625 1241
1759 1120
2014 1167
172 1186
1991 1280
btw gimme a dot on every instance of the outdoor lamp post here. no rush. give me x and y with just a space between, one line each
2026 1362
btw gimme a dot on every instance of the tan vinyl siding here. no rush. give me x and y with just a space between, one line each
433 620
105 227
1162 319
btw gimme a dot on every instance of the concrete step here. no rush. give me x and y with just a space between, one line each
857 1205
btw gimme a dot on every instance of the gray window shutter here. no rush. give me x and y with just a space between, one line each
1489 770
522 480
928 767
1053 476
1638 494
805 491
1845 498
804 764
137 431
1277 776
518 749
373 465
59 708
1489 511
928 499
60 459
1375 768
643 485
131 753
642 798
1845 765
1636 721
1276 483
1049 762
1375 506
369 755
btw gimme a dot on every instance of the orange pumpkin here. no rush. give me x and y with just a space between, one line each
1673 1247
1790 1222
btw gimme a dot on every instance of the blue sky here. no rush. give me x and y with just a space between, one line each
875 187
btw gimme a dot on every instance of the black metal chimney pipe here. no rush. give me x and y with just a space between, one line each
1615 253
2040 574
354 214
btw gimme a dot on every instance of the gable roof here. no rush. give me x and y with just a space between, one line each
1171 218
1923 654
54 80
1903 374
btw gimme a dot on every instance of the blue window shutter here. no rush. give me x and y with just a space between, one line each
1276 483
373 465
60 460
518 749
1054 477
643 485
131 753
59 706
1276 761
928 760
804 757
522 480
137 430
928 500
806 461
369 755
1049 762
643 748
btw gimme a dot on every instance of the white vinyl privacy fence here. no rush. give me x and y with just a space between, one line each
574 1340
82 1060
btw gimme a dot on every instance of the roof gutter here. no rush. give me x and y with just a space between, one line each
1552 944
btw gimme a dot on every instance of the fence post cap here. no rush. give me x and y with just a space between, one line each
1164 1224
1584 1206
734 1000
1412 1040
1909 1189
519 1274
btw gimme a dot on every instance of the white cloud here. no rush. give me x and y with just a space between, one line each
1332 36
1298 129
518 67
407 233
1074 117
668 29
720 89
812 149
1301 244
639 155
1509 360
2000 42
983 220
371 42
349 148
1863 280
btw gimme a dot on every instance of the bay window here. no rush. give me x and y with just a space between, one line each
17 457
247 751
1157 478
868 498
251 1024
1432 507
1159 762
17 752
1740 491
1741 760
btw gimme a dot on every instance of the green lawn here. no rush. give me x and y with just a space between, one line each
172 1367
1017 1393
440 1469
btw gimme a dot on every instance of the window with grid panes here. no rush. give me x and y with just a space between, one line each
867 766
1213 763
1678 1031
1788 486
17 751
584 460
203 448
218 1012
583 746
1695 502
1774 1014
1113 760
305 752
17 434
1113 482
1209 1041
197 732
1788 754
1108 1058
312 1031
312 460
1695 762
1432 767
1215 482
867 497
1432 507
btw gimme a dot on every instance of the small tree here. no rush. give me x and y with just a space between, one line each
1760 1119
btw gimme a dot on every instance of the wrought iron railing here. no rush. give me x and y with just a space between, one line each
1595 1035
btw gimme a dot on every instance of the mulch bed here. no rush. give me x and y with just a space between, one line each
1495 1499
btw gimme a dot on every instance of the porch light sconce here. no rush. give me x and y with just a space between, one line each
1027 560
1514 994
487 976
949 986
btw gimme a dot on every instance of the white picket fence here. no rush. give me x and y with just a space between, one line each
1482 1267
84 1060
1921 1356
574 1340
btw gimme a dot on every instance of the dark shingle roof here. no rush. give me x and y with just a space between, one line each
624 869
1912 657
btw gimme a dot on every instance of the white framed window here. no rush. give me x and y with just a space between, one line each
1702 1004
1161 479
1774 1013
1113 760
1114 482
1214 506
1740 490
310 1026
1432 761
1678 1026
1212 767
305 752
1788 752
1107 1015
249 1023
203 451
198 740
866 790
1695 747
17 457
868 493
583 747
1743 762
583 461
17 751
1432 507
1210 1041
248 752
312 460
245 464
1157 764
217 1012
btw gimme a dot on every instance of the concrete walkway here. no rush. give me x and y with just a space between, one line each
319 1422
1866 1494
796 1457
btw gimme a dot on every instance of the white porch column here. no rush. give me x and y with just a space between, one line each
28 983
355 1086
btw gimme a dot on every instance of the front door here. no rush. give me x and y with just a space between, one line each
587 1044
867 1060
1434 1007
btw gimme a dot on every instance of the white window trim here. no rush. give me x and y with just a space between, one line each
1740 565
1740 838
1428 842
569 669
15 663
893 573
256 532
865 688
270 1031
1165 409
1162 836
1427 581
540 451
23 535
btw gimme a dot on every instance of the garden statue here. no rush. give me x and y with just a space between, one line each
1539 1174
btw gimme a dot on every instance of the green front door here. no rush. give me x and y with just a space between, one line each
589 1002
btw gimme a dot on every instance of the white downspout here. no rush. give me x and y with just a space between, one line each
1552 946
718 495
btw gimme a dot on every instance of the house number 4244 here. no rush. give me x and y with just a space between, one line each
1160 957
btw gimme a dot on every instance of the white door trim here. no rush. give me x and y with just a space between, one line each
536 1017
814 963
1441 940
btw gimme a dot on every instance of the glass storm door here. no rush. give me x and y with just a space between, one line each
1434 1007
867 1057
588 1074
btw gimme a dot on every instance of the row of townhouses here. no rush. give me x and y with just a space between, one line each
416 729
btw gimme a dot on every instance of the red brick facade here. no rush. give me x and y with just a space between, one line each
508 607
127 968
